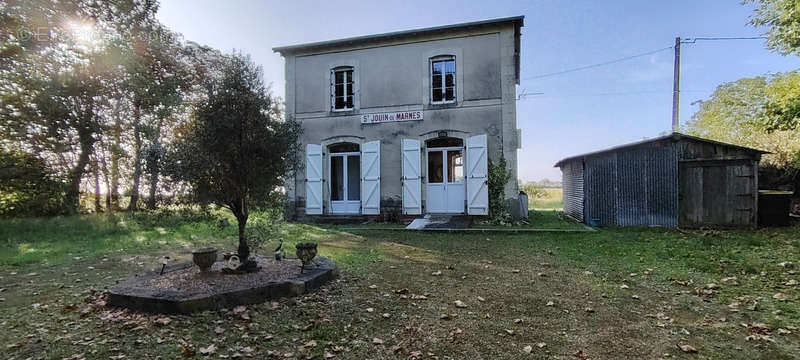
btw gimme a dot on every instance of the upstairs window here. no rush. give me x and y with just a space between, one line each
443 80
342 89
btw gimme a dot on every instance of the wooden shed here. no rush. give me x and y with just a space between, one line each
669 181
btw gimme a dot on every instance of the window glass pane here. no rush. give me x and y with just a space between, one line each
340 103
437 95
455 166
435 167
450 66
449 80
337 178
449 94
349 103
339 90
353 177
339 77
343 147
350 89
349 77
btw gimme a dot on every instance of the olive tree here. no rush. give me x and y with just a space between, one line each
237 148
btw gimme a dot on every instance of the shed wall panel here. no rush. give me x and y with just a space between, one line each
647 190
600 189
572 184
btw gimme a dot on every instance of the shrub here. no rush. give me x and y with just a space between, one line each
26 187
498 177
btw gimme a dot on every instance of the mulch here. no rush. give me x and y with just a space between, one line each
192 280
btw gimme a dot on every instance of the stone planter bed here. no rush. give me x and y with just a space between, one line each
184 288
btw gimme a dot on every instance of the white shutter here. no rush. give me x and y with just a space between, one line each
412 181
313 179
371 178
477 176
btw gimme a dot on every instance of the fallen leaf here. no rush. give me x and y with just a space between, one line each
780 297
515 271
373 286
436 273
623 286
328 355
377 341
550 303
163 321
369 310
386 315
527 349
460 304
481 299
509 331
218 330
541 345
687 348
210 349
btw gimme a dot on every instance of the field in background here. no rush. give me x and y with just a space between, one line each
551 200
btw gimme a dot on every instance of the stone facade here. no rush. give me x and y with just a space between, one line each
392 73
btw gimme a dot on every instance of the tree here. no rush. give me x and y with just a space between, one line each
736 113
237 149
783 106
782 17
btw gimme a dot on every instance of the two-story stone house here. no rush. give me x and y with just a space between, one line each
404 121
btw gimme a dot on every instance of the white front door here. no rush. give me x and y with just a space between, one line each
445 188
345 183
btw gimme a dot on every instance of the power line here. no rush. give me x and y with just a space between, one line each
612 93
598 64
694 40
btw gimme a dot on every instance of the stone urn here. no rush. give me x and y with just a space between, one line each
204 258
306 252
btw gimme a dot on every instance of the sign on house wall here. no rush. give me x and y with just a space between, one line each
391 116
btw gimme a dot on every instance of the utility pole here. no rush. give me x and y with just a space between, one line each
676 86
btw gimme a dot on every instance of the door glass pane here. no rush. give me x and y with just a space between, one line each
455 166
337 178
353 178
435 174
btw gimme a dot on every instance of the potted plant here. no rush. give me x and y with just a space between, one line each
204 258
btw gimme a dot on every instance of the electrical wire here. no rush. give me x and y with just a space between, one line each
598 64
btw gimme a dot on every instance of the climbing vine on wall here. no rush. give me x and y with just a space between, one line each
498 177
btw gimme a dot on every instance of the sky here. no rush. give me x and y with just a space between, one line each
578 111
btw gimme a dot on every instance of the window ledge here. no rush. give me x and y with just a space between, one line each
342 112
446 105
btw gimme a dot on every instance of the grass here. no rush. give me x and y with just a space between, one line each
551 201
516 275
539 219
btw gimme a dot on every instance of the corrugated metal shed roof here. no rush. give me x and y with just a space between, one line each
675 136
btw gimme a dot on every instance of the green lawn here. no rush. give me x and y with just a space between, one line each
713 290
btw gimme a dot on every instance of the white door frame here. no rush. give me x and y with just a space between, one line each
344 206
444 183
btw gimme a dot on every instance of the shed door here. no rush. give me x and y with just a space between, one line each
717 193
371 177
477 176
313 179
412 181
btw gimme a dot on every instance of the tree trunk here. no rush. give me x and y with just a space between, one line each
98 207
137 159
151 201
113 191
104 169
73 193
239 209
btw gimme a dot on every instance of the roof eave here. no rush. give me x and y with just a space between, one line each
290 49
